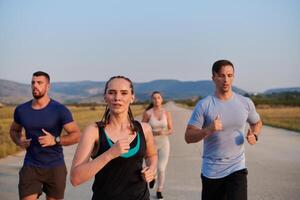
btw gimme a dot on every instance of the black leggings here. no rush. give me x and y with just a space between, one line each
231 187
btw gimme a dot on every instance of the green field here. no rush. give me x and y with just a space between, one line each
83 115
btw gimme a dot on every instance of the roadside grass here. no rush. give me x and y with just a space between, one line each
7 146
286 117
281 117
83 115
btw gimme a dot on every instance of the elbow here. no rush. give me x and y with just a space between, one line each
74 179
73 182
187 139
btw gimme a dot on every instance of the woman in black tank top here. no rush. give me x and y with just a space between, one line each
118 145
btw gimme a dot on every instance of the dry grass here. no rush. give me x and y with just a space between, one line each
282 117
82 115
287 117
7 147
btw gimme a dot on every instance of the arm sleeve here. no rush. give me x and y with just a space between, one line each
253 116
17 116
197 118
66 115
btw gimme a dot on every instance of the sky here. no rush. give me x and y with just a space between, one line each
149 40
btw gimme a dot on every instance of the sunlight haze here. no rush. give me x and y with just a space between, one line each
150 40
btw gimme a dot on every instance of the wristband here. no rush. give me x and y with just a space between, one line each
256 137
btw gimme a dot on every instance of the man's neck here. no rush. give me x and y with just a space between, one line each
224 95
40 103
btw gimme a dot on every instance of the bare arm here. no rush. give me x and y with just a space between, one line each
83 168
15 132
145 117
73 134
194 134
170 125
72 137
149 172
255 129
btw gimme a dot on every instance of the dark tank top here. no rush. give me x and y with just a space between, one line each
121 177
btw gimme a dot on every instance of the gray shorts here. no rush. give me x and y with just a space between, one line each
35 180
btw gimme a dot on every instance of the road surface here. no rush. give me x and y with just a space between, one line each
273 164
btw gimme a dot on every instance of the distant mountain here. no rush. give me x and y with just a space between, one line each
92 91
79 88
281 90
174 89
11 91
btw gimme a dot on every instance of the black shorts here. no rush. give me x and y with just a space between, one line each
35 180
231 187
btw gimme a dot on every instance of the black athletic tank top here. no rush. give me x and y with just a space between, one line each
121 177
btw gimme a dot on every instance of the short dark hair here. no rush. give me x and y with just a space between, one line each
219 64
41 73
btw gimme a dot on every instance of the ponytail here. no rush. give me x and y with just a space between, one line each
149 106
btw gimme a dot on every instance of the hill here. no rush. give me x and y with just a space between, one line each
282 90
92 91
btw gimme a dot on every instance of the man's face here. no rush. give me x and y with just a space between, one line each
224 79
39 86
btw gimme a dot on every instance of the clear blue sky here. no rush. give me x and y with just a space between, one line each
149 40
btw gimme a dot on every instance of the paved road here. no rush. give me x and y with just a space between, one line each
274 167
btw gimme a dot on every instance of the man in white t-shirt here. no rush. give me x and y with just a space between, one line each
220 120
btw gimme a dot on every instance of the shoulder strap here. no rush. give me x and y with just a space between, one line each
100 130
138 125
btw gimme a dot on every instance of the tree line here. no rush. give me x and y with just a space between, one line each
273 99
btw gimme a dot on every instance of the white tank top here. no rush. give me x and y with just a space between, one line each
158 124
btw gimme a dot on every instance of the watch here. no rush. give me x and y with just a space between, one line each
57 140
256 136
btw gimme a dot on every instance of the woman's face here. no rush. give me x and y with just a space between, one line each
157 99
118 95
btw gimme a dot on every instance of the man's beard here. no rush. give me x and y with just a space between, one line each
38 95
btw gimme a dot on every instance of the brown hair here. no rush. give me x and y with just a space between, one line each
105 118
151 104
219 64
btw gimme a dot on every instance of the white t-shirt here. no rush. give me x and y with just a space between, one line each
224 151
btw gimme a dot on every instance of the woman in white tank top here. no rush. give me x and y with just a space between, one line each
161 122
